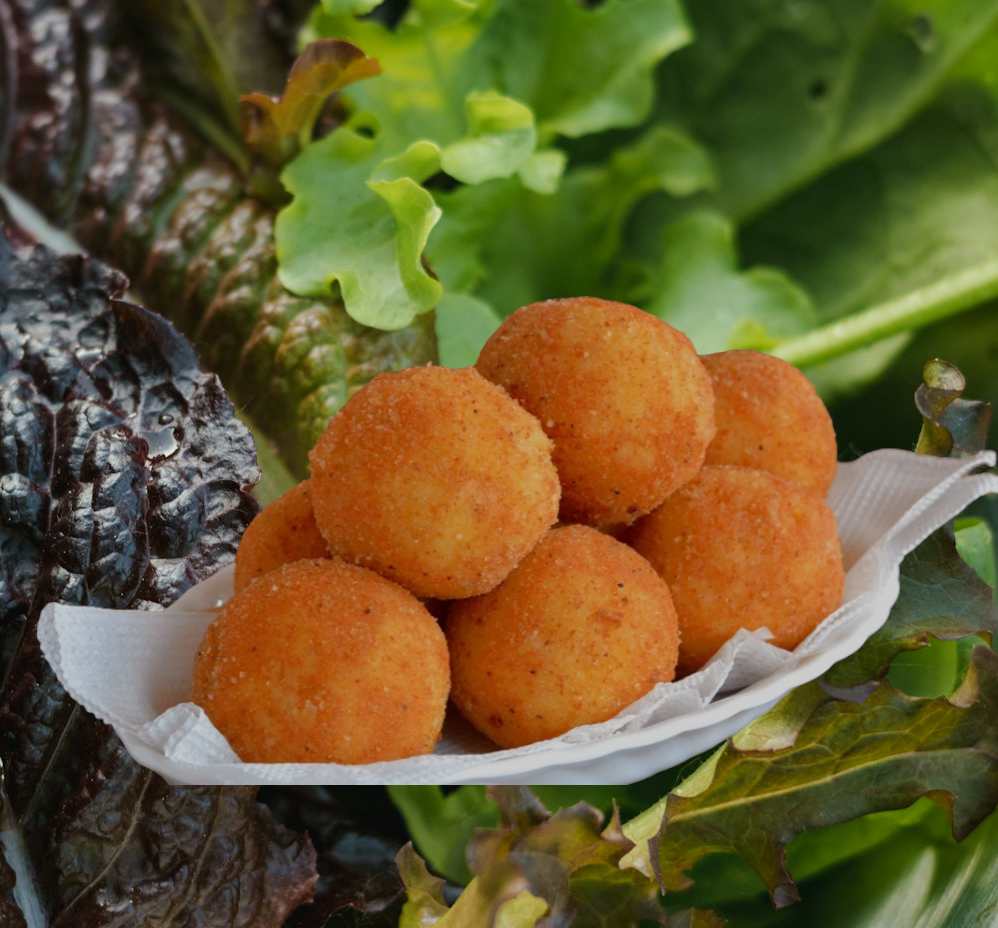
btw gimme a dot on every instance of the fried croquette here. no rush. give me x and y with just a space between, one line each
282 532
436 479
621 393
579 630
322 661
743 548
770 417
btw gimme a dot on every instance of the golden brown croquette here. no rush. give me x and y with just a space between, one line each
282 532
322 661
770 417
621 393
434 478
578 631
743 548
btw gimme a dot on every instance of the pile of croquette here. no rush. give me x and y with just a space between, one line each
538 540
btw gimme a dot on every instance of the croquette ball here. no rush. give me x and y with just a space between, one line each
434 478
281 532
743 548
321 661
579 630
621 393
770 417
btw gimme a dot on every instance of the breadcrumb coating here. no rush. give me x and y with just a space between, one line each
282 532
770 417
743 548
321 661
578 631
436 479
622 394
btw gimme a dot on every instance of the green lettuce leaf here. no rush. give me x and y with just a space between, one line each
581 69
838 758
464 323
901 233
365 234
840 161
816 84
562 867
485 91
975 540
442 825
698 288
941 598
853 147
534 242
918 876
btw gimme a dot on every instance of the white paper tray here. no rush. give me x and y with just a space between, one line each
132 669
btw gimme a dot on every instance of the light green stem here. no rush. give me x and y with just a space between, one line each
946 297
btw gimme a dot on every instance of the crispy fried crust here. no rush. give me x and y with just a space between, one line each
322 661
435 478
770 417
282 532
578 631
742 548
622 394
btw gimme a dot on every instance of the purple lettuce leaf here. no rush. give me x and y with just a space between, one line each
125 478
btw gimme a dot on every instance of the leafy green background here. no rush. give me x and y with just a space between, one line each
752 173
815 179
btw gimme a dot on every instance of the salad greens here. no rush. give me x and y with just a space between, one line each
815 179
470 93
125 480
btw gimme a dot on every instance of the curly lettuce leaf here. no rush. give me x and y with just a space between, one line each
277 128
530 244
581 69
488 89
561 867
441 51
839 758
850 153
365 233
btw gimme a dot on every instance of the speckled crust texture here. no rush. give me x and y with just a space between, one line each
621 393
770 417
282 532
434 478
322 661
578 631
743 548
